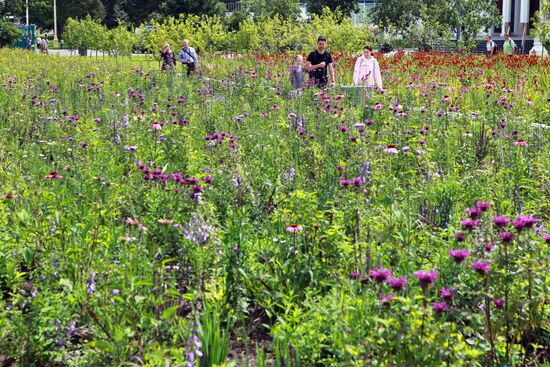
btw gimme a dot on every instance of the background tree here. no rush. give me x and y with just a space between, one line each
285 9
345 7
542 24
9 33
198 7
10 7
78 9
136 11
40 13
422 21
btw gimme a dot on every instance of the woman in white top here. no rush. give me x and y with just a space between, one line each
367 70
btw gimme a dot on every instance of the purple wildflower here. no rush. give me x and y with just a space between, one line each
440 307
481 267
501 221
380 275
459 255
506 236
397 284
426 278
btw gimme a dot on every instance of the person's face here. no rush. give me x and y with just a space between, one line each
299 60
167 48
321 45
367 52
506 37
185 44
487 39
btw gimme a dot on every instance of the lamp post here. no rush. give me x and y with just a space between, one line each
27 12
459 21
55 39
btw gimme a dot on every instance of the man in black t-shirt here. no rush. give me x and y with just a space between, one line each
317 64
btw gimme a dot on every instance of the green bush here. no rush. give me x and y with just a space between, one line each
9 33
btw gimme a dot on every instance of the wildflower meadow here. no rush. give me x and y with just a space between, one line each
154 219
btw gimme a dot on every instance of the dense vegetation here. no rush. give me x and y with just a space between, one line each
152 219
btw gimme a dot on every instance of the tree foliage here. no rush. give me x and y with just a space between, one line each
425 21
344 7
286 9
542 23
9 33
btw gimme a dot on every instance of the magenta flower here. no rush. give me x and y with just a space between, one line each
344 129
426 279
357 181
391 149
378 107
294 228
481 267
506 236
520 143
501 221
489 247
440 307
380 275
459 255
386 299
483 205
53 176
469 224
459 237
474 213
397 284
546 238
156 127
446 293
499 303
354 274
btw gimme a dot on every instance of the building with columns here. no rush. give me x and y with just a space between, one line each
516 16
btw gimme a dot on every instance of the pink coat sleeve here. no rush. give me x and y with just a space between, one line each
357 72
377 74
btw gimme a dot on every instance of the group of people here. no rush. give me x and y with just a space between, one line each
42 43
187 56
508 47
319 66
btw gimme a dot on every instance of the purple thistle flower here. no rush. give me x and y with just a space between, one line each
380 275
501 221
489 247
344 129
459 255
506 236
386 299
499 303
426 279
481 267
483 205
469 224
446 293
459 237
397 284
546 238
474 213
440 307
355 274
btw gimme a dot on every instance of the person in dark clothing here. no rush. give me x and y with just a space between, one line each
319 65
168 58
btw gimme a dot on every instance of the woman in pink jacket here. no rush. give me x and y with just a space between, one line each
367 71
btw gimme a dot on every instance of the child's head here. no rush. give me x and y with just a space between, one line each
298 59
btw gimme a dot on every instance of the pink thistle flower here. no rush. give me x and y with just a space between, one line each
459 255
501 221
426 279
294 228
53 176
481 267
506 237
380 275
440 307
521 143
397 284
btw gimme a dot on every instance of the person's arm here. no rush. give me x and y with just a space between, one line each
357 72
331 70
513 47
377 74
180 56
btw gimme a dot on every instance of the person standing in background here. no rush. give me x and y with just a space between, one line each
188 56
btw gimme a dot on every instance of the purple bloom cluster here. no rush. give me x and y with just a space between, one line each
459 255
426 279
481 267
